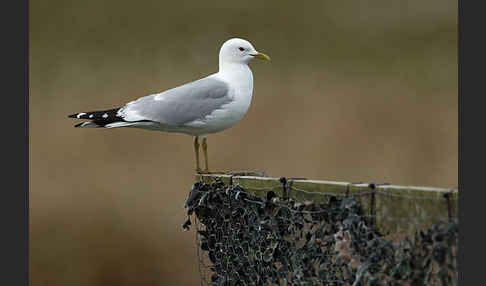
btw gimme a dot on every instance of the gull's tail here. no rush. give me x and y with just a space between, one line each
103 118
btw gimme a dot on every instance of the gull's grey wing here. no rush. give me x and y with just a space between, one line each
180 105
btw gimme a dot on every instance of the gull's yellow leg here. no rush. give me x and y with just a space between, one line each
196 151
205 151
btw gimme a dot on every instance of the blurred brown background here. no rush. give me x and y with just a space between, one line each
356 91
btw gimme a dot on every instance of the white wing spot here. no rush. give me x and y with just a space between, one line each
91 116
159 97
105 115
80 114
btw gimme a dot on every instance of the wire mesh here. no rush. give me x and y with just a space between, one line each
248 239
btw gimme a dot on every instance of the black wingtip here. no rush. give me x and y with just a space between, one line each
72 115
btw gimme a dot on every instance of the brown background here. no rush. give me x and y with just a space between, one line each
355 91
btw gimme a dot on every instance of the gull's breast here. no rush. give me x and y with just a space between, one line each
229 114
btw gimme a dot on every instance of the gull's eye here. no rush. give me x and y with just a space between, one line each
241 49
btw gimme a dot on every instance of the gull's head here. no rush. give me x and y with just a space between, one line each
239 51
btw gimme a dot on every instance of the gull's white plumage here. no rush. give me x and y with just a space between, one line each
198 108
234 99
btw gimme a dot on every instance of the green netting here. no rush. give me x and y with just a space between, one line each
246 239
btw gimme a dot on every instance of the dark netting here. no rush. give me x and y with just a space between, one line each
249 240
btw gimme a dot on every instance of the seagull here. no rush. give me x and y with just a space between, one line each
198 108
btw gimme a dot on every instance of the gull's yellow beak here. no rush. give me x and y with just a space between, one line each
261 56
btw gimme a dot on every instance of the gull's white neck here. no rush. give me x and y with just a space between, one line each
237 75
